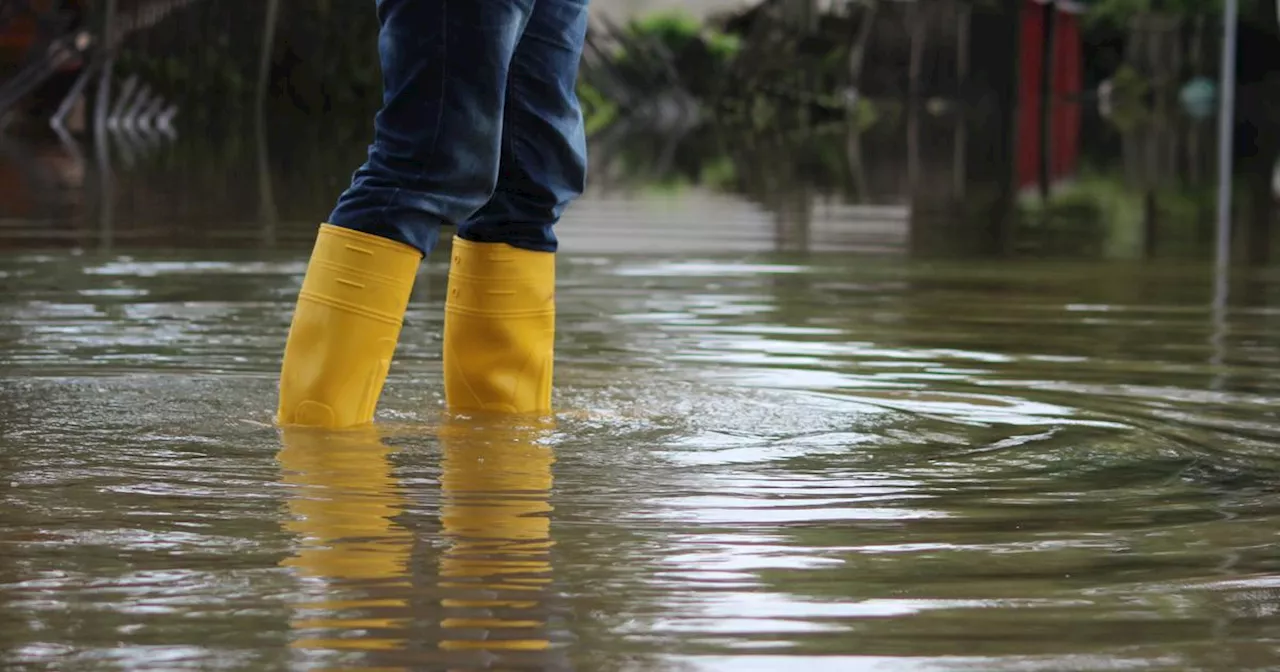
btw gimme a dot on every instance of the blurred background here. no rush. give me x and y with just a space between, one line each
1080 128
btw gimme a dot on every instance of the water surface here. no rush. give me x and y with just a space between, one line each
761 461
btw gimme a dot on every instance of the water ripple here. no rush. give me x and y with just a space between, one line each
758 462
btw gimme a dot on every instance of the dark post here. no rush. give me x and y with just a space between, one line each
962 93
108 69
266 196
102 146
1047 68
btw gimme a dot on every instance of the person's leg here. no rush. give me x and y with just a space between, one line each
500 311
544 144
437 139
434 160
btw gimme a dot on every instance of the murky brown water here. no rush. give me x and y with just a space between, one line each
785 440
762 462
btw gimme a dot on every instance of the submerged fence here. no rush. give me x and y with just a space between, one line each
213 62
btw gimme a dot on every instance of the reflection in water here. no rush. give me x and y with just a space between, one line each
497 568
342 509
722 189
494 570
779 462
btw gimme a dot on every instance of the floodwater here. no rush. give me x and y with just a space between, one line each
759 462
784 439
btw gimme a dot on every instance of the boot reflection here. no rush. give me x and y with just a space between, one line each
495 509
342 505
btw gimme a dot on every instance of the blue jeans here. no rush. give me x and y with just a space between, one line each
480 126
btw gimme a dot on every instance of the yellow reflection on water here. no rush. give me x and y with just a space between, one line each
495 568
342 508
495 487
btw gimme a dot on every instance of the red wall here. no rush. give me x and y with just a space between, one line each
1067 79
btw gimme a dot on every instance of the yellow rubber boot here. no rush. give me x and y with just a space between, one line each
499 328
345 328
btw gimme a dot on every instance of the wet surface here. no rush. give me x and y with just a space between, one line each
827 398
832 394
761 461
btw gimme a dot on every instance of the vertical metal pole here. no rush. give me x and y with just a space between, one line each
1226 130
1226 138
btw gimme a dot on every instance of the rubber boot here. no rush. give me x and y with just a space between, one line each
499 329
345 328
343 499
495 510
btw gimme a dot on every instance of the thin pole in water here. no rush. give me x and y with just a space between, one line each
1226 129
266 196
100 111
1226 137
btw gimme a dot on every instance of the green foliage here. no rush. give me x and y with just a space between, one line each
1099 206
719 173
865 114
651 44
674 28
677 30
597 110
1128 89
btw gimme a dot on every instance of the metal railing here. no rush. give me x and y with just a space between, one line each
64 35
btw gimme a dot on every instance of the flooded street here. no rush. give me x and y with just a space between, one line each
876 381
761 461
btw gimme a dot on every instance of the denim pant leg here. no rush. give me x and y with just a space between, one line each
544 155
437 139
